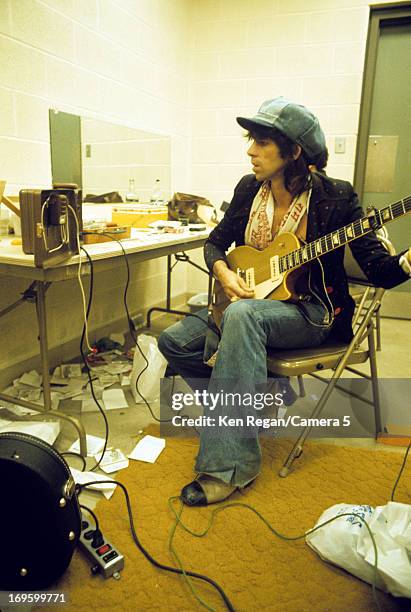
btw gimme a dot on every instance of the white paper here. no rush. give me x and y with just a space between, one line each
59 380
67 370
113 460
106 489
117 367
73 388
4 423
27 392
94 445
71 370
125 380
97 388
45 431
148 449
114 399
165 223
89 405
107 379
20 410
33 379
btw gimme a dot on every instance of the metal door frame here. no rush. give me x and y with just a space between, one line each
380 15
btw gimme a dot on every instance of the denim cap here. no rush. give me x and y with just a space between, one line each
293 120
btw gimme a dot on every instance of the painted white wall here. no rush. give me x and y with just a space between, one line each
184 68
117 60
247 52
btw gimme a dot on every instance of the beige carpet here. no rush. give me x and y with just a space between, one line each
256 569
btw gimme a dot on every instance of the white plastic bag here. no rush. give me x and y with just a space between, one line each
149 381
346 542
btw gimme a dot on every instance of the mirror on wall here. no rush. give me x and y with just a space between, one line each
104 157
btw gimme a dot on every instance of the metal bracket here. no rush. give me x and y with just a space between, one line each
29 295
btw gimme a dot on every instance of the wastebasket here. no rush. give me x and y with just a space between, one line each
197 302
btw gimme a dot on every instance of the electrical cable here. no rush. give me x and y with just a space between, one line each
181 570
86 365
290 538
79 248
330 312
84 335
130 323
92 514
215 511
132 328
147 555
64 238
401 471
73 454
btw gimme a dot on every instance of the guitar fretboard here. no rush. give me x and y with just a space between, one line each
344 235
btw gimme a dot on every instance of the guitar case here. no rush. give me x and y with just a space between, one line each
40 519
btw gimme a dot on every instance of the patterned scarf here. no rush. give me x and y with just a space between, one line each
259 230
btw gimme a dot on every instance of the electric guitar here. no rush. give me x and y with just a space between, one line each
274 272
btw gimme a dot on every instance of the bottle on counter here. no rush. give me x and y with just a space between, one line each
131 195
157 194
4 220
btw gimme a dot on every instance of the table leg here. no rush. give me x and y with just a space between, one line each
179 257
42 323
44 355
169 270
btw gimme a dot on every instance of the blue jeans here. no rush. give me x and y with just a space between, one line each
248 328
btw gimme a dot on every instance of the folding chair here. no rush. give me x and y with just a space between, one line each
336 356
358 279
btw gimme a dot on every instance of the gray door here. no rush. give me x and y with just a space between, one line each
388 162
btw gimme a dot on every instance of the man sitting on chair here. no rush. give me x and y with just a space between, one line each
282 195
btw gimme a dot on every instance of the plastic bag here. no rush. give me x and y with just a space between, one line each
149 381
346 542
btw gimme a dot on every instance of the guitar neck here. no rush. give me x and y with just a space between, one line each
344 235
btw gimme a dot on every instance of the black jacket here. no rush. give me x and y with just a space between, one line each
333 204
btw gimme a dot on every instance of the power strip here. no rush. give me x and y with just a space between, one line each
108 561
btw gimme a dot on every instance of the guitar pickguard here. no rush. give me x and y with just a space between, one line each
261 269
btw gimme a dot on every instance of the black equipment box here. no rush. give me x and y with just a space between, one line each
51 222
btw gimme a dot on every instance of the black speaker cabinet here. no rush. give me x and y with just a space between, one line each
40 520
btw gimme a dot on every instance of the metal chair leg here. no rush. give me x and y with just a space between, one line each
378 329
364 325
295 452
374 382
297 449
301 388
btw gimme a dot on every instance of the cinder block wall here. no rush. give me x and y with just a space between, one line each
246 52
184 68
123 61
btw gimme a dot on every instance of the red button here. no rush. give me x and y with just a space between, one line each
337 311
103 549
330 289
